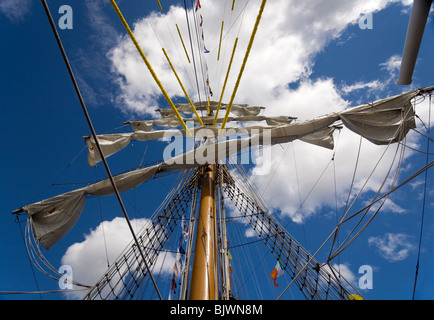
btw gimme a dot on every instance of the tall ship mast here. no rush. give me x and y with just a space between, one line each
194 227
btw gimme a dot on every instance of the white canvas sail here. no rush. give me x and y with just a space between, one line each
113 143
171 121
237 109
382 122
53 218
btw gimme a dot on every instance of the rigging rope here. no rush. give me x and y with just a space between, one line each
102 221
182 86
299 195
126 277
29 259
200 50
173 40
83 106
220 66
249 47
225 82
252 272
336 207
345 243
148 65
316 282
40 292
424 200
58 176
192 51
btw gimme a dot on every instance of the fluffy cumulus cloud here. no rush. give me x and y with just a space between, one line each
290 35
89 259
345 271
393 246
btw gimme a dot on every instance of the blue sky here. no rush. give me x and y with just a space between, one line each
308 60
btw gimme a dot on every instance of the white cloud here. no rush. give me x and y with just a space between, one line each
407 5
407 2
289 36
388 206
392 64
391 206
88 258
345 272
392 247
377 87
249 233
15 10
372 85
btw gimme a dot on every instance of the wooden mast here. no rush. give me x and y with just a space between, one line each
203 284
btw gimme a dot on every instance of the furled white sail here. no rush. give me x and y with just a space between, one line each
51 219
112 143
291 132
382 122
237 109
171 121
323 138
